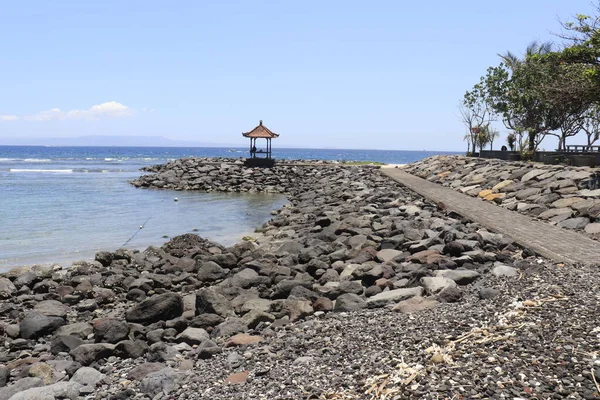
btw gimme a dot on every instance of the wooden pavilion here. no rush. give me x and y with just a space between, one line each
260 132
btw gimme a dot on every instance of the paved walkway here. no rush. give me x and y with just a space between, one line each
544 239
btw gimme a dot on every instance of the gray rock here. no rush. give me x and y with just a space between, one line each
504 270
574 223
209 301
460 276
532 174
211 271
162 307
207 349
434 285
394 296
230 327
488 293
297 308
193 336
450 294
131 349
247 278
263 305
4 375
386 255
164 381
64 343
283 288
349 302
87 376
525 193
351 287
36 324
60 390
20 386
453 248
110 330
26 279
289 247
235 360
415 304
138 373
79 329
88 353
7 288
349 270
160 352
593 228
255 317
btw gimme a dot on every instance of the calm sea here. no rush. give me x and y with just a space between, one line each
60 204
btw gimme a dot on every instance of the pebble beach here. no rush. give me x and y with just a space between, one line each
357 289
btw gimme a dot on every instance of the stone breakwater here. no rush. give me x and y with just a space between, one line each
229 175
568 197
330 285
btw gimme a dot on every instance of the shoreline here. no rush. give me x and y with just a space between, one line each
192 317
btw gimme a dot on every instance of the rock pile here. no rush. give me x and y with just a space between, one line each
152 322
229 175
565 196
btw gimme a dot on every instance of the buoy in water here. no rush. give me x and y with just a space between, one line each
175 199
141 226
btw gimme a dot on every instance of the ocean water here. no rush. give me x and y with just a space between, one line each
60 204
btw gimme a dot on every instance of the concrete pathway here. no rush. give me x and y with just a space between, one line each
549 241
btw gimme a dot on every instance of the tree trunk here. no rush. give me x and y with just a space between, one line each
532 136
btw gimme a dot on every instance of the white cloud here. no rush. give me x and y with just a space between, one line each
110 109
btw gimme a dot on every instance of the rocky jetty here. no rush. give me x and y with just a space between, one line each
357 289
229 175
561 195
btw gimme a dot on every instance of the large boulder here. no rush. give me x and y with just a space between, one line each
52 308
60 390
36 324
7 289
161 307
110 330
211 271
210 301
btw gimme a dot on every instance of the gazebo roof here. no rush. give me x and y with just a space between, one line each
260 131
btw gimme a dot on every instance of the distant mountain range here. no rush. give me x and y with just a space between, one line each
99 140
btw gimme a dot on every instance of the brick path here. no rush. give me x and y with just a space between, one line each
546 240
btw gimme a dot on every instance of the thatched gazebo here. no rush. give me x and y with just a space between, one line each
260 132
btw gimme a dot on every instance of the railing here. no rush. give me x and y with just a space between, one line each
581 148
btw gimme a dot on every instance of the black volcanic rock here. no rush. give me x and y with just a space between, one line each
160 307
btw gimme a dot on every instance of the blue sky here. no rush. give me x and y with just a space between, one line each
335 74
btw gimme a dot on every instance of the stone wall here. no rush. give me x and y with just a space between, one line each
561 195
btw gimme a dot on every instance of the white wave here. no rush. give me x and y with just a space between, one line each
8 159
57 171
37 160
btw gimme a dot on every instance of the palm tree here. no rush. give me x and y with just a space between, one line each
512 61
493 134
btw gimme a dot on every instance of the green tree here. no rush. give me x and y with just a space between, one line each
591 124
475 112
